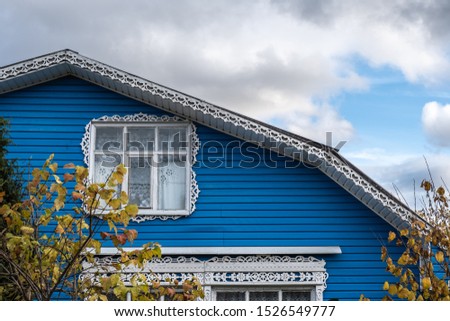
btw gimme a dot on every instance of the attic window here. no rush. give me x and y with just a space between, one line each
158 152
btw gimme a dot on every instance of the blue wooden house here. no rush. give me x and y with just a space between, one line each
257 213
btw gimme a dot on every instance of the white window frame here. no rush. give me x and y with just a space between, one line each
150 121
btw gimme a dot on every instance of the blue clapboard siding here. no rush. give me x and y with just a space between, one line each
256 203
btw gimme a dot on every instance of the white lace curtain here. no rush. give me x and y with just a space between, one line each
172 184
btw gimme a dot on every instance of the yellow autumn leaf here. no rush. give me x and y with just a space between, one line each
96 245
439 256
49 159
426 283
115 203
115 278
53 167
70 165
404 232
386 286
131 235
124 197
391 236
57 179
392 289
44 174
58 204
68 177
27 230
426 185
77 196
81 173
403 293
403 278
116 178
404 259
79 187
132 209
59 229
121 169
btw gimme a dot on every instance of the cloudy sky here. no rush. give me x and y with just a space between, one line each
374 73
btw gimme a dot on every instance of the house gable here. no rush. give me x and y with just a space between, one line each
272 201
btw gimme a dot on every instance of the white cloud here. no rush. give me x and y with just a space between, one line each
273 60
400 173
315 125
408 175
436 123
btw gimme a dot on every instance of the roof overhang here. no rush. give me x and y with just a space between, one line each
69 63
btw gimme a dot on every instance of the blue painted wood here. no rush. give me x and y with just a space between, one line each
243 201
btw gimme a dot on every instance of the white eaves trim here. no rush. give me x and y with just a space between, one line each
288 250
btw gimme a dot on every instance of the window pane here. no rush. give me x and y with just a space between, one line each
230 296
140 139
139 182
172 183
263 296
108 138
104 166
296 296
172 139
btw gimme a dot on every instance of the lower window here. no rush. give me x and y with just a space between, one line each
262 294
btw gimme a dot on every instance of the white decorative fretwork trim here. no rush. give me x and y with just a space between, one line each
145 118
314 152
261 270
